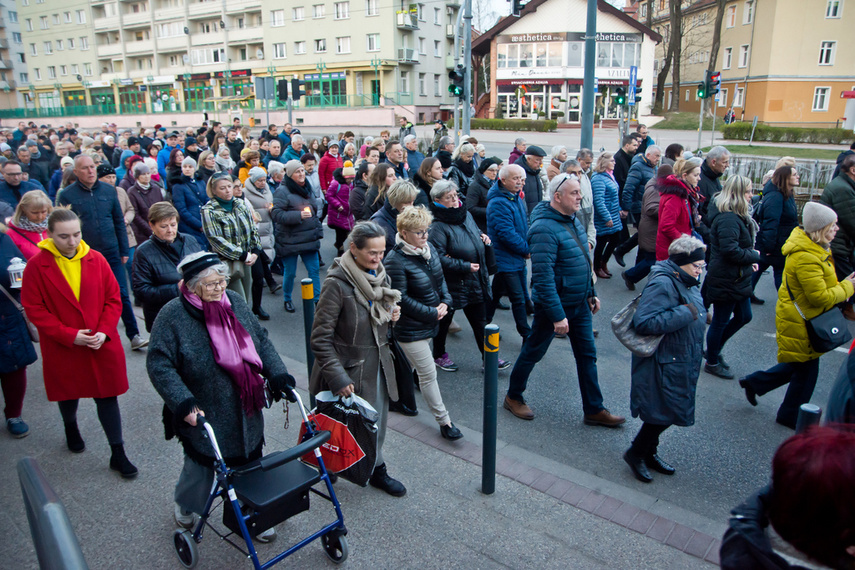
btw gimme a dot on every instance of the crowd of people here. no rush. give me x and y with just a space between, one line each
192 226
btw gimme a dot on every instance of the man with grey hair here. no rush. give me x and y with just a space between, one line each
559 254
414 157
446 143
507 226
295 151
585 215
717 161
642 169
518 150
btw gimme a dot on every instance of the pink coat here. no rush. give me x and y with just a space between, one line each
26 240
338 196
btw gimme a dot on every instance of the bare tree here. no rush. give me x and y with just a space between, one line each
676 50
658 102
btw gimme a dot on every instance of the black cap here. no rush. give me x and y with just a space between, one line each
175 134
191 269
105 169
132 141
535 151
189 140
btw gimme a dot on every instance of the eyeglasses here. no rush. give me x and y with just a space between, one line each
699 266
420 233
213 285
219 175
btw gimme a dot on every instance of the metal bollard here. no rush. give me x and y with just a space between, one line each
809 416
491 397
308 290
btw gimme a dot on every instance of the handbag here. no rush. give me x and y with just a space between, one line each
826 331
31 328
644 345
403 375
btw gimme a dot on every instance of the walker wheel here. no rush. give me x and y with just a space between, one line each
185 548
335 547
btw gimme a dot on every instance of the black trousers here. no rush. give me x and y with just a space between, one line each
646 442
340 237
606 244
261 274
108 415
475 313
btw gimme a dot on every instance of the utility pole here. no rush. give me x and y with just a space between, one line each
467 65
587 138
701 121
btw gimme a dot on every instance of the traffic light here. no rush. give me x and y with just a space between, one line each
297 90
620 97
282 89
516 7
702 91
638 94
714 83
455 85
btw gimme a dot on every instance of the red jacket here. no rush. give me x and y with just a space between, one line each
326 168
674 218
72 371
26 241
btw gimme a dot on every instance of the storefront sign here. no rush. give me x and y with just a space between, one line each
162 79
531 72
95 84
126 81
618 37
529 81
238 73
199 76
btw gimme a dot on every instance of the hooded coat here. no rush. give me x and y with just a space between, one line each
839 195
708 186
640 171
778 217
476 199
732 254
533 187
809 273
356 199
457 241
326 167
338 196
663 385
16 348
142 199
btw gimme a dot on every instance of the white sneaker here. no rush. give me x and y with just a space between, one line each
182 520
267 536
138 342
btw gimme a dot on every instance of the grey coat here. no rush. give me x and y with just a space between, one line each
664 385
260 199
348 348
181 368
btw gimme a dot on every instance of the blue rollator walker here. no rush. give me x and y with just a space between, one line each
265 492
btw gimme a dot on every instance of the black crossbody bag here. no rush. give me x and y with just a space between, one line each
826 331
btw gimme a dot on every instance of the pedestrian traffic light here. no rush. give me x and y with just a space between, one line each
638 94
455 85
714 84
702 91
620 96
516 7
297 89
282 89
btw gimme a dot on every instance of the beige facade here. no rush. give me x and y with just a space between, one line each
174 54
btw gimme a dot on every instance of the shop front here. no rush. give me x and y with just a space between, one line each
236 89
131 98
326 89
197 89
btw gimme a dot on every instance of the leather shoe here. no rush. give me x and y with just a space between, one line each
602 274
750 394
619 259
719 370
604 418
380 479
518 408
261 314
657 464
629 284
402 409
639 469
289 307
450 432
755 300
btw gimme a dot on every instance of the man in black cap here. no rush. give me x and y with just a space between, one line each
191 148
531 162
163 155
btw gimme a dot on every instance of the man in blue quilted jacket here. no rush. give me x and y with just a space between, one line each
564 300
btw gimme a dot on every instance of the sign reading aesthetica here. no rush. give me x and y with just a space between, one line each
568 37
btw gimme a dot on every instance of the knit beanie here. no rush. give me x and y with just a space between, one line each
487 163
348 170
256 173
816 216
292 166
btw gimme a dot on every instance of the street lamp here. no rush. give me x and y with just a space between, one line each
321 67
376 63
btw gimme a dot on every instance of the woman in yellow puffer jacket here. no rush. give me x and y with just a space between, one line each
809 278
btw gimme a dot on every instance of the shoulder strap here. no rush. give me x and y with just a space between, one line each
17 231
11 298
793 299
579 243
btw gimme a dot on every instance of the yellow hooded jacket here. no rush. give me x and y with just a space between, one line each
70 268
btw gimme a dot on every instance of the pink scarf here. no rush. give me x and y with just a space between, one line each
233 349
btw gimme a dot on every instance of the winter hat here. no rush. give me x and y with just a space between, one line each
347 170
66 161
32 143
487 163
535 151
816 216
189 140
105 169
256 173
292 166
192 268
5 147
87 141
133 140
444 158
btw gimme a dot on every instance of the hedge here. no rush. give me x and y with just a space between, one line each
742 131
510 125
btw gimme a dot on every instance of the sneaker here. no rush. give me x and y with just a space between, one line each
138 342
268 535
17 427
184 520
445 363
274 287
504 364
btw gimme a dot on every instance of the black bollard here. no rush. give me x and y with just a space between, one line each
491 397
308 290
809 416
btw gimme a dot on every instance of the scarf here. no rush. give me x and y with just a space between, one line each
233 348
227 205
295 188
467 168
371 290
29 226
451 216
411 249
143 189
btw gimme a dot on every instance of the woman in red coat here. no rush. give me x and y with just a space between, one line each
677 205
329 162
71 295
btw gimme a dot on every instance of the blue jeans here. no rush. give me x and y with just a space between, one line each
644 260
312 263
128 317
801 377
585 351
723 326
512 285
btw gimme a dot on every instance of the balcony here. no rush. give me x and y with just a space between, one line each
243 35
407 56
243 6
106 24
8 84
453 3
136 20
140 47
4 43
173 44
109 51
204 9
2 23
207 39
5 64
407 21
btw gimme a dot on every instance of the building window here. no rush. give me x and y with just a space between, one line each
320 46
644 10
420 12
60 45
422 48
687 96
48 48
437 16
299 47
43 22
16 37
318 11
748 12
38 74
87 68
820 98
70 43
342 45
342 10
437 49
833 8
33 50
203 56
826 53
371 8
66 17
279 51
609 54
743 56
13 17
25 77
56 19
298 14
173 61
423 84
405 82
722 97
373 42
81 16
730 16
22 58
728 58
75 69
737 96
277 18
437 86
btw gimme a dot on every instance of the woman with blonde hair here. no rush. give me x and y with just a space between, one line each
607 218
733 260
415 270
381 179
28 225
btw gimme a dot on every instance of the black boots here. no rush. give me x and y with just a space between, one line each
119 462
636 463
381 480
656 463
73 440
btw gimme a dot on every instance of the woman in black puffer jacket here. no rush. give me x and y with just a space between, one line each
733 261
414 269
463 168
476 195
778 216
460 246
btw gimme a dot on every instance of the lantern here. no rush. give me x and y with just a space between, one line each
16 272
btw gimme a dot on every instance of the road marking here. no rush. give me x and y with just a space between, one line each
838 349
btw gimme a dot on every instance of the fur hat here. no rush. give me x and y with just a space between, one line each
816 216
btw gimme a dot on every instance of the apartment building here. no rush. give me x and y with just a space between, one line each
13 66
784 61
142 56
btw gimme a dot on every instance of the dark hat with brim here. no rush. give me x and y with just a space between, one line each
193 268
535 151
